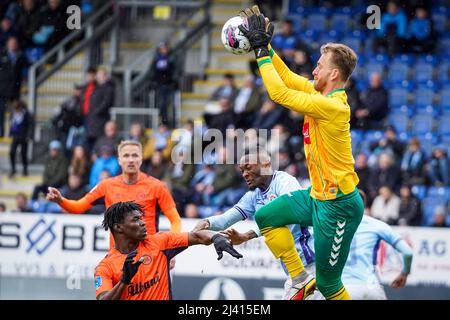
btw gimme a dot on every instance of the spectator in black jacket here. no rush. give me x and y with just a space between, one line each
12 62
374 106
28 22
223 120
20 126
101 101
6 31
410 213
163 80
385 174
74 189
55 170
53 17
268 115
70 115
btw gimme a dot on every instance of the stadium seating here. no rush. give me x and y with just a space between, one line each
423 72
399 121
398 97
429 205
398 71
422 124
341 22
316 22
439 192
420 191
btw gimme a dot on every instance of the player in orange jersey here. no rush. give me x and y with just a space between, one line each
131 185
118 277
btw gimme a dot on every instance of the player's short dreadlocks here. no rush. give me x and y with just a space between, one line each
116 213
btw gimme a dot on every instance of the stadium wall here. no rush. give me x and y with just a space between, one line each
47 256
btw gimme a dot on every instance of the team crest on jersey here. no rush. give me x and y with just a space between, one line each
271 197
140 196
305 131
147 259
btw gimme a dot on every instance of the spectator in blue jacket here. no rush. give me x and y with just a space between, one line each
439 167
412 163
107 161
393 30
422 39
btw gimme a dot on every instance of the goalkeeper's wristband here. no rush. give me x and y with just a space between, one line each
261 52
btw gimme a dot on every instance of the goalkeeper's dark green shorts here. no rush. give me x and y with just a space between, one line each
334 223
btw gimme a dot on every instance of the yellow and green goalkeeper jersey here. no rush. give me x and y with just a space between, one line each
326 128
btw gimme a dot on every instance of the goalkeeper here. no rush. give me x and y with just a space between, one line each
332 205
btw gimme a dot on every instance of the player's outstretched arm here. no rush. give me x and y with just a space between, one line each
238 238
291 79
221 243
71 206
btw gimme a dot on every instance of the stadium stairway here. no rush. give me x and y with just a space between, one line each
10 187
222 62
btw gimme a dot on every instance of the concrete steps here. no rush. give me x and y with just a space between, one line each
222 61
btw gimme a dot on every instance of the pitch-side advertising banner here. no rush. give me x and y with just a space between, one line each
50 245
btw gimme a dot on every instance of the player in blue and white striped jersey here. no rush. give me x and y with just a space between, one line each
359 275
265 184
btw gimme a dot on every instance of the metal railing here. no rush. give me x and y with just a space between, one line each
91 30
136 83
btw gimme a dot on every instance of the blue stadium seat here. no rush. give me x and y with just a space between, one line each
405 84
373 67
404 109
444 125
422 124
380 58
399 121
419 191
296 21
330 36
444 46
445 139
353 43
429 205
444 72
423 72
428 59
404 58
309 36
439 192
423 97
428 109
398 71
317 22
398 97
373 135
404 136
295 7
445 99
356 135
439 21
341 22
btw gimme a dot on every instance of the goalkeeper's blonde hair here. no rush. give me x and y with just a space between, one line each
343 57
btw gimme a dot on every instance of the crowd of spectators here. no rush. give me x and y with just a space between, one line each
389 168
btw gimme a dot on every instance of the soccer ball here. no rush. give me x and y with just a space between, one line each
233 39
